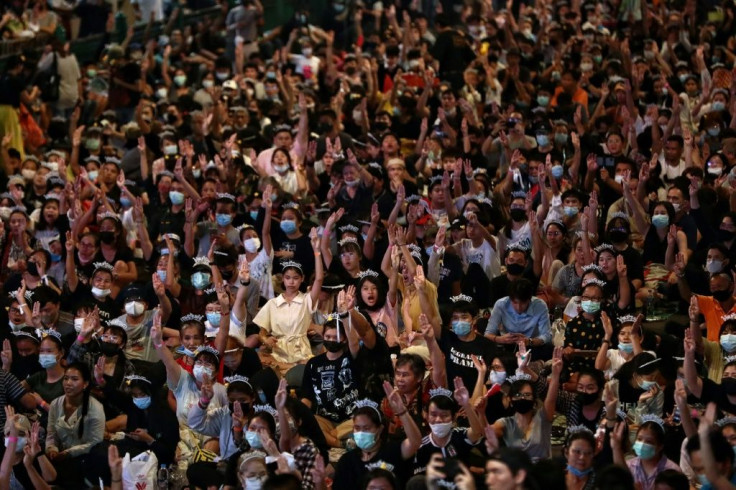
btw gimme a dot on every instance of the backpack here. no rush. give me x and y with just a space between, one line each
48 82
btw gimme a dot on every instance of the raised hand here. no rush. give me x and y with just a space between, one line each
607 327
156 331
420 281
281 394
158 285
6 355
244 271
314 239
462 397
694 310
99 371
426 328
621 266
394 398
207 390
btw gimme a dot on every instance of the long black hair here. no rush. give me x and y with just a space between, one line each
86 376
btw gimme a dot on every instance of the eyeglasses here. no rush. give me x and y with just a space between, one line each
526 396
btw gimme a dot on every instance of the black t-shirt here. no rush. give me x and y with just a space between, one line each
332 386
351 468
109 309
634 263
458 447
457 355
302 249
250 364
451 270
10 88
713 392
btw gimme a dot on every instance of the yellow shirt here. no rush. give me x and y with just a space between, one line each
288 322
414 308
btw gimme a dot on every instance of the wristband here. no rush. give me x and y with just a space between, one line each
402 413
81 338
158 346
44 405
203 403
237 429
113 480
606 341
39 454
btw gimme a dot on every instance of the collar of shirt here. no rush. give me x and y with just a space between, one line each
280 300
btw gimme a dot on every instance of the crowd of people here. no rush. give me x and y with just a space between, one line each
427 245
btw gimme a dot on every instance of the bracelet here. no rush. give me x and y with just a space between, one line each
247 283
402 413
81 338
21 306
39 454
606 341
317 254
237 429
113 480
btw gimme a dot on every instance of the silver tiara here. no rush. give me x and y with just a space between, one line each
413 247
368 403
435 178
114 160
53 196
619 413
597 282
266 408
653 361
201 261
225 195
345 228
290 205
333 317
604 247
375 165
440 392
626 319
461 297
519 377
413 198
592 267
291 263
221 253
485 200
516 247
135 377
209 291
578 428
46 333
649 417
237 378
367 273
725 421
245 457
108 214
103 265
206 348
730 316
729 359
555 222
192 317
619 214
117 322
348 239
518 195
21 333
481 171
417 254
172 236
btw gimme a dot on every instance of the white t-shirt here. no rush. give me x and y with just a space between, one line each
187 395
484 255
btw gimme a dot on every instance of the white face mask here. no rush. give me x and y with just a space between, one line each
252 245
253 483
78 323
100 293
134 308
441 430
15 327
200 371
19 445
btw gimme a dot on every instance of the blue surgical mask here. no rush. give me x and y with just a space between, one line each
214 318
461 327
161 275
223 219
533 179
728 342
92 175
714 131
180 80
578 473
543 100
718 106
254 439
288 226
184 351
542 139
646 385
142 402
660 220
570 211
200 280
253 214
176 197
703 480
55 257
590 306
497 377
626 348
644 451
557 171
364 440
125 202
429 250
47 360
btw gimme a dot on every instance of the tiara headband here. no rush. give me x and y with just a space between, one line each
346 240
518 195
619 214
21 333
652 418
290 205
291 263
237 378
519 377
103 265
653 361
245 457
730 316
516 247
578 428
192 317
117 322
367 273
440 392
605 247
461 297
135 377
225 196
729 359
108 214
345 228
201 261
626 319
211 350
725 421
266 408
368 403
597 282
592 267
42 334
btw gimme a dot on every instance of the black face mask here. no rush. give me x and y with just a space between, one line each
109 349
522 406
350 71
32 268
332 346
380 126
725 235
107 237
515 269
227 275
588 398
729 386
618 235
324 127
722 295
518 215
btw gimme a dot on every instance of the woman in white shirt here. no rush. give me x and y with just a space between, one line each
284 320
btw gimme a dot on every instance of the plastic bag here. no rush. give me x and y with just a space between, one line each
139 473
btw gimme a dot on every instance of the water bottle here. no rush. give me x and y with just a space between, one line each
163 478
649 305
